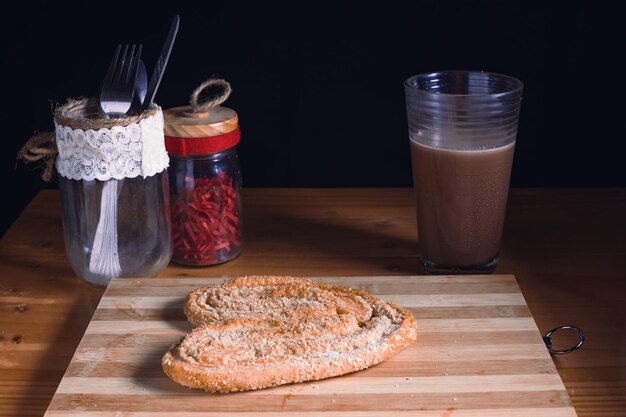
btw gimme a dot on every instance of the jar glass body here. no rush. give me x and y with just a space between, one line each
205 193
144 245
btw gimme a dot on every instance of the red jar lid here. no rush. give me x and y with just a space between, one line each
188 133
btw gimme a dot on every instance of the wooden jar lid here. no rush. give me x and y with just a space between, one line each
181 122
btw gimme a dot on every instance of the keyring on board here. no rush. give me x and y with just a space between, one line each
547 339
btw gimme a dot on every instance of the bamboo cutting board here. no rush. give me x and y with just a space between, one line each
478 354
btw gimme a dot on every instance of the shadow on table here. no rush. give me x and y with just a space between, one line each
173 313
370 246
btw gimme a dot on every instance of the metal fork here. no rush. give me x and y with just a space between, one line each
118 86
141 86
116 96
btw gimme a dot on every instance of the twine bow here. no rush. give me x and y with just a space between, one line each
41 147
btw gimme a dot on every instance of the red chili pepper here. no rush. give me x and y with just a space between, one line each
205 221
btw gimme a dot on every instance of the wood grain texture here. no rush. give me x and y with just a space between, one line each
116 368
566 247
180 124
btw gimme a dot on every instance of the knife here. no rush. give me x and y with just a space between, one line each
155 80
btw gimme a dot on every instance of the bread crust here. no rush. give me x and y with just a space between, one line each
261 331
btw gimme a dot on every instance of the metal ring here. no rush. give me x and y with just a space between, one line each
547 339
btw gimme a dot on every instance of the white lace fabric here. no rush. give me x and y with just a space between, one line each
120 152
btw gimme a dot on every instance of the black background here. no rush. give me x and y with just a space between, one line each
319 86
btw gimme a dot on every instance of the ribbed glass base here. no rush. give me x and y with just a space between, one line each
438 269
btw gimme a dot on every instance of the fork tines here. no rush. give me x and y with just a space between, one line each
118 86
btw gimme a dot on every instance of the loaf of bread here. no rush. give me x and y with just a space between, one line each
262 331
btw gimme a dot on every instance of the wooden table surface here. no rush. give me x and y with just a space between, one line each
567 248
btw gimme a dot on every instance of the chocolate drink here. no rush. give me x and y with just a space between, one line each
461 201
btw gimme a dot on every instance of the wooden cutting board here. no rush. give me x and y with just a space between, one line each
478 353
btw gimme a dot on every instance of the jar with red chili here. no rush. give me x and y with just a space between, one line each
205 179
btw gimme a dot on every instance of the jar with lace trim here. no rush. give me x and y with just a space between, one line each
114 192
205 180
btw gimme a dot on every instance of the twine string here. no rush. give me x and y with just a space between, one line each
201 103
41 147
84 114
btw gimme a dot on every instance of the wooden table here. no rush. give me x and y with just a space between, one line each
567 248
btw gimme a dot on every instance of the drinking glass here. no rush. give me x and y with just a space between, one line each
462 130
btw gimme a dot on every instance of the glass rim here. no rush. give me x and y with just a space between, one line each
518 84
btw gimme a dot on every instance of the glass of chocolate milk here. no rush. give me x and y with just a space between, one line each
462 128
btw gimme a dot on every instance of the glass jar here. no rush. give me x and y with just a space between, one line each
205 185
144 245
113 184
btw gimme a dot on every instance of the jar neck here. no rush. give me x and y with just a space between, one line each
214 155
